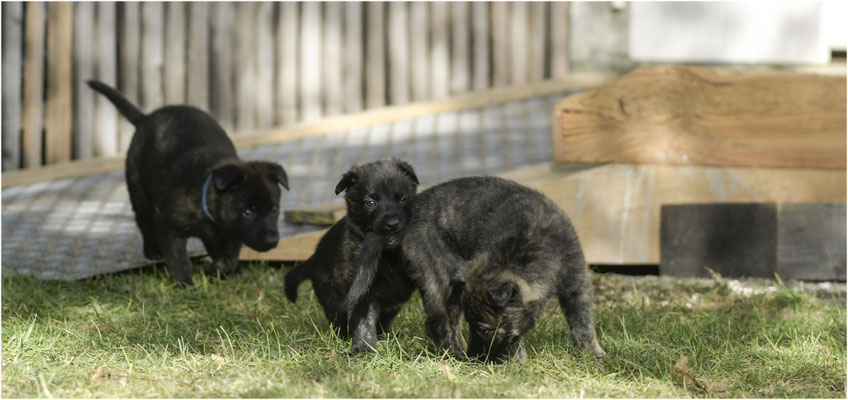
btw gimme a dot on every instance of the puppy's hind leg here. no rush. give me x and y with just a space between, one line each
576 302
144 217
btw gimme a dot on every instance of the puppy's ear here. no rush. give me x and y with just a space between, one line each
506 292
348 179
227 176
407 170
277 173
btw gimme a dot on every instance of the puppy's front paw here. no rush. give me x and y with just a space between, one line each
151 251
183 284
357 347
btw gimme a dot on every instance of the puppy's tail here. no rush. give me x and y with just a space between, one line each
367 263
133 114
294 277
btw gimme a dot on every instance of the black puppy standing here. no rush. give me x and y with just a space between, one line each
185 180
356 271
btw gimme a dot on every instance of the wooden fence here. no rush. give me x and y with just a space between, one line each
253 65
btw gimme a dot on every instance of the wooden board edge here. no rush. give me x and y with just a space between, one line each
292 248
325 126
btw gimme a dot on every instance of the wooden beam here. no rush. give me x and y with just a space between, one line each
704 116
398 40
12 60
221 92
33 116
57 118
615 208
197 81
264 54
439 50
459 52
105 113
334 124
130 49
175 53
84 97
353 57
293 248
287 39
332 60
375 55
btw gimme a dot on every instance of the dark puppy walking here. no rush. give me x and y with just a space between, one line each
356 270
185 179
495 251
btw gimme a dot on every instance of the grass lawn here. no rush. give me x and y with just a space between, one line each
132 335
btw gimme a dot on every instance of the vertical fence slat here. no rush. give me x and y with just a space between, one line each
398 42
57 117
287 39
175 53
105 114
419 51
310 61
439 50
33 115
500 44
353 57
221 92
198 56
130 40
12 61
152 55
244 67
84 53
460 35
375 57
537 24
518 49
332 60
264 88
480 22
559 39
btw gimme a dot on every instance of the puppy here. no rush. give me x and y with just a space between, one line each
185 180
495 251
356 271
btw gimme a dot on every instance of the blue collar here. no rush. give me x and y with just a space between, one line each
203 205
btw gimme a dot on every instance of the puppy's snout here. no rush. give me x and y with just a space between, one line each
272 237
392 223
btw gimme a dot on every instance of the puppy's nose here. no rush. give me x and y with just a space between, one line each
272 237
392 223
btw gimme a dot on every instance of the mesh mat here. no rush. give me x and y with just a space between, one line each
79 227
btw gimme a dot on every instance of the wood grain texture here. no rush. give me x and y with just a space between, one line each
310 61
221 100
537 40
518 43
460 23
264 54
152 55
84 97
703 116
130 51
12 59
353 65
375 56
175 53
287 39
105 113
500 44
335 124
615 208
244 67
33 114
332 59
398 42
57 118
419 50
197 68
558 19
480 18
439 50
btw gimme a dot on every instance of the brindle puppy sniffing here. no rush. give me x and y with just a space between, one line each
185 180
356 271
495 251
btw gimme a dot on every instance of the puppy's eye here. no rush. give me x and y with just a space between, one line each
370 203
403 199
484 331
248 213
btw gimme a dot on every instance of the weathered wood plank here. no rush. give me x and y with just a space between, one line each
480 18
518 44
310 61
398 38
33 115
287 39
105 113
332 59
84 57
500 44
130 51
57 118
294 248
12 61
353 57
559 23
615 208
152 55
419 54
244 67
688 115
439 50
323 215
335 124
264 54
538 18
460 23
198 56
221 65
175 53
375 56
